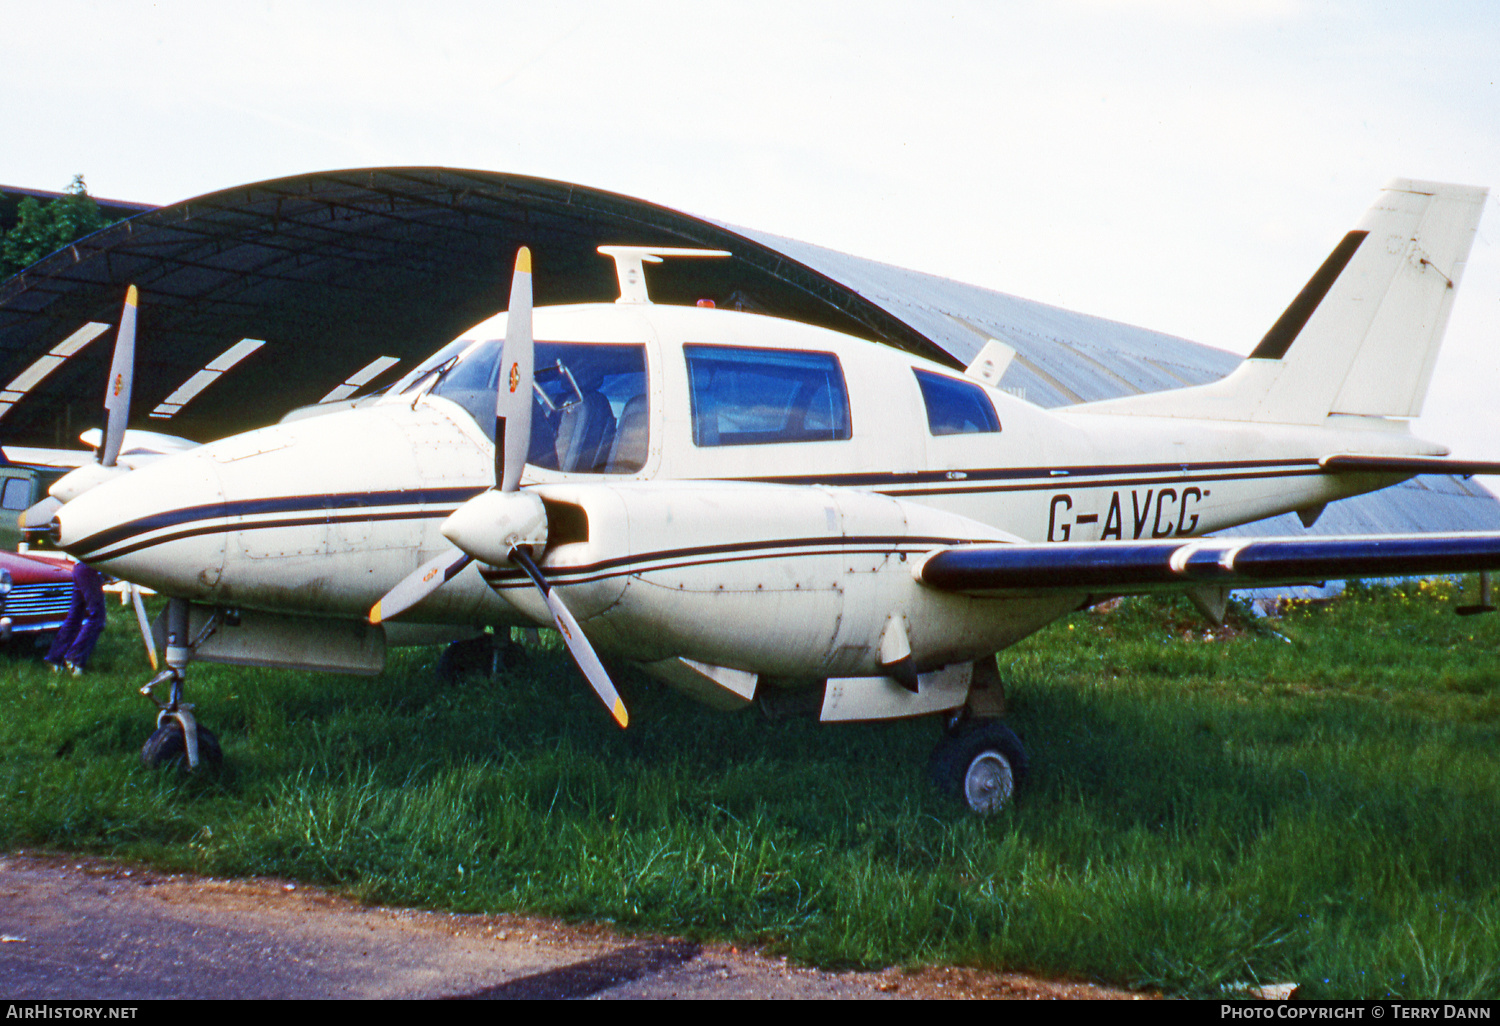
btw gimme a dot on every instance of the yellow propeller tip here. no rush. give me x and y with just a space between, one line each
374 616
523 261
130 296
621 716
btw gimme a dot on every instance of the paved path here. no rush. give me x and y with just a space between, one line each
74 928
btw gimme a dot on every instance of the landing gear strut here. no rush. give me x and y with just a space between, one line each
177 735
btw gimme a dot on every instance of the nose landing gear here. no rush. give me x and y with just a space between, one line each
178 736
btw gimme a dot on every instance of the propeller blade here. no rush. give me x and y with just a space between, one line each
420 583
513 402
121 376
145 624
574 638
512 441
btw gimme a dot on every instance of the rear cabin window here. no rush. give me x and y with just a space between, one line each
765 396
955 407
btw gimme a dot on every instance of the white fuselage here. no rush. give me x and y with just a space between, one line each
778 557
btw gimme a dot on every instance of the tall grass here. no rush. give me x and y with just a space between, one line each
1314 798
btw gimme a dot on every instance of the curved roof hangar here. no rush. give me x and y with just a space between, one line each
335 269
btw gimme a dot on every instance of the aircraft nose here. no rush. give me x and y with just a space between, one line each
161 526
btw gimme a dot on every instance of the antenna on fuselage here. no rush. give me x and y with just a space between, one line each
630 264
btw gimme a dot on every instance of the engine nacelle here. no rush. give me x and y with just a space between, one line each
785 581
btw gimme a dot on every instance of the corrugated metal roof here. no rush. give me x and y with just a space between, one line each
1065 357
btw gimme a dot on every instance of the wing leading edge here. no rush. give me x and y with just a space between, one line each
1351 463
1121 567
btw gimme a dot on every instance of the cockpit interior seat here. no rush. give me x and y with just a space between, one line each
585 432
628 454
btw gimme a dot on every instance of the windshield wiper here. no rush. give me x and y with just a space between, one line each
437 374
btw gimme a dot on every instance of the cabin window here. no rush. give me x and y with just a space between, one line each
765 396
955 407
591 409
17 493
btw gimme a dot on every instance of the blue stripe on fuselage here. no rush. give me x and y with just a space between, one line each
347 507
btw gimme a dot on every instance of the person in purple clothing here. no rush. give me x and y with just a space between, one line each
80 631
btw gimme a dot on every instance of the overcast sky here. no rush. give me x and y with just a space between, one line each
1184 165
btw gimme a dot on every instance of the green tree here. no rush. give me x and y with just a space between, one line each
43 229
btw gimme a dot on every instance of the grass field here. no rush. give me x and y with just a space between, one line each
1314 798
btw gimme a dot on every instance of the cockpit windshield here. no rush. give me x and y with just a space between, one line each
591 407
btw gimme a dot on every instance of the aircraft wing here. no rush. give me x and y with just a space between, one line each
137 447
1132 566
60 459
1352 463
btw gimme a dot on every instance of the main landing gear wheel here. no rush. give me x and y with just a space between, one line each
167 746
463 658
982 765
484 656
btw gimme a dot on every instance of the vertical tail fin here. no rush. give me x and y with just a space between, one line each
1362 337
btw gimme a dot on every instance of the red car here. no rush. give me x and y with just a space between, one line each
35 593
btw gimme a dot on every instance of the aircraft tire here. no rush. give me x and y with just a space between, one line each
166 747
470 657
983 766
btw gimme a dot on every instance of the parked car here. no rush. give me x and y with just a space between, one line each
35 593
36 587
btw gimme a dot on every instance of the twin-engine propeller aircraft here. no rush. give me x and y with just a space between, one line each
753 508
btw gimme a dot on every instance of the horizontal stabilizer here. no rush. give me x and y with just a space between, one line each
1121 567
